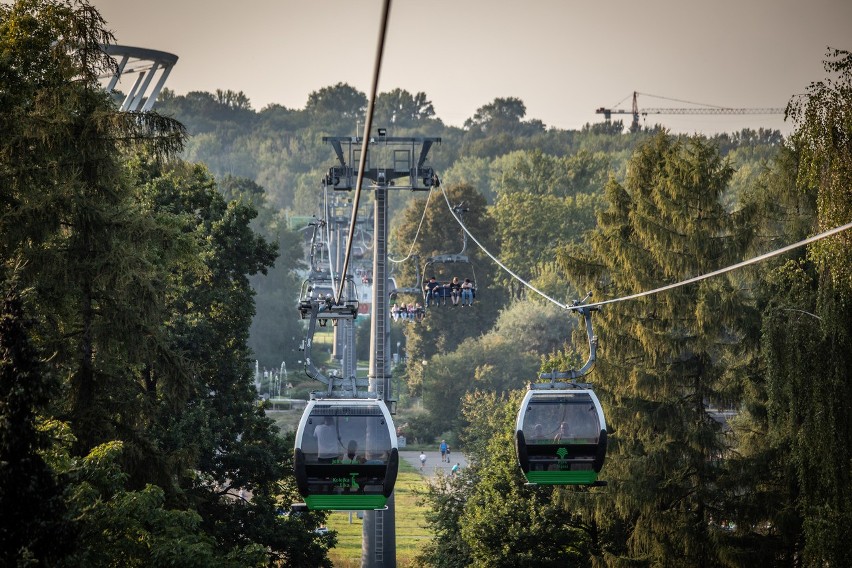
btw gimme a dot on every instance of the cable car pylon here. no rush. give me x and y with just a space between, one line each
346 455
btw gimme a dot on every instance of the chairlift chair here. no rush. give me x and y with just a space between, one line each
319 287
443 276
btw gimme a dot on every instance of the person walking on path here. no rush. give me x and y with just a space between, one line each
422 460
444 448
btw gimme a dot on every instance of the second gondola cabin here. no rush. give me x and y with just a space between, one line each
346 455
561 437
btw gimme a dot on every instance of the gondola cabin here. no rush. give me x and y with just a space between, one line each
561 437
346 455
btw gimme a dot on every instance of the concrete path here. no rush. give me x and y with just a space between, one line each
433 461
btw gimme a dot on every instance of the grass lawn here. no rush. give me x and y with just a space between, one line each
411 533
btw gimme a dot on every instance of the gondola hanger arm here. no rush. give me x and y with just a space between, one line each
572 374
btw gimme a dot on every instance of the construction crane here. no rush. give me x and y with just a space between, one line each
703 109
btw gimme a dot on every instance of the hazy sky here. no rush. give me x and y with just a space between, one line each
563 58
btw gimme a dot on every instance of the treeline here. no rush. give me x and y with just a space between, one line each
727 400
130 433
129 429
730 433
499 151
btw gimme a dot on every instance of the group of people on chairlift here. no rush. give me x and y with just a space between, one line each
407 312
459 293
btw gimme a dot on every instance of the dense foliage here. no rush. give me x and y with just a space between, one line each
130 431
730 433
138 289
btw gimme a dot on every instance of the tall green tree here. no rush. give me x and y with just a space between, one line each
664 358
66 207
809 355
341 100
502 115
823 118
400 109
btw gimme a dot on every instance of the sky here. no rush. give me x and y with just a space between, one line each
562 58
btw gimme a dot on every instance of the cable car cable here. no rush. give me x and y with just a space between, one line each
417 233
754 260
692 280
368 125
497 260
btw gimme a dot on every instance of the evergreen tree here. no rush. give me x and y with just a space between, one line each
67 210
664 358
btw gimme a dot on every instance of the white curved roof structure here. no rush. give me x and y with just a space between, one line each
148 64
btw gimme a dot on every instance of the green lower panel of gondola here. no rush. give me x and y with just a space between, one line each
581 477
346 502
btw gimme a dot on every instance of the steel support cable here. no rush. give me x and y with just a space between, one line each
692 280
733 267
682 101
497 260
362 161
417 233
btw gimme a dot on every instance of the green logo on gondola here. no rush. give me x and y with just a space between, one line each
346 481
562 452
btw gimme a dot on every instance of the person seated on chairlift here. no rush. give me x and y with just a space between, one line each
395 312
467 293
433 290
455 290
443 293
